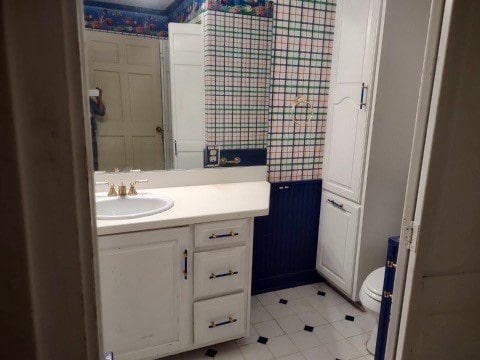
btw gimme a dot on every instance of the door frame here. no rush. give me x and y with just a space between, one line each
418 168
49 266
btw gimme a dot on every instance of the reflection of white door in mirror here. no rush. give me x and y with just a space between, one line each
127 68
187 78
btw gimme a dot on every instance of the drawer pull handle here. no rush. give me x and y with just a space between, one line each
230 234
229 273
337 205
229 321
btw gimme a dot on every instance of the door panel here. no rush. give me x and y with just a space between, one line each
143 147
140 55
110 82
114 145
187 80
102 51
351 79
352 40
337 240
144 295
347 143
128 70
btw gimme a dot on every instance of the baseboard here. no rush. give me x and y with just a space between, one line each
285 281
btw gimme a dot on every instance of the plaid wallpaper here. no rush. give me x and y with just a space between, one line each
301 58
237 77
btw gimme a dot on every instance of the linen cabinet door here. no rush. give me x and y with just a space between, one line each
144 292
351 82
337 240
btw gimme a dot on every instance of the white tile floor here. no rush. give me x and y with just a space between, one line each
332 337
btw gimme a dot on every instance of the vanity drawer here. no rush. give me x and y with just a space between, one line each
220 318
221 233
219 271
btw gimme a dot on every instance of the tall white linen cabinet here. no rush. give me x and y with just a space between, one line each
366 154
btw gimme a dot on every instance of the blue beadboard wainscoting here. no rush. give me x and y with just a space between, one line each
285 242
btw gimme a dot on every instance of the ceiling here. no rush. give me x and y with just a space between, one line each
151 4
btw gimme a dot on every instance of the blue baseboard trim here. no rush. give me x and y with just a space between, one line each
274 283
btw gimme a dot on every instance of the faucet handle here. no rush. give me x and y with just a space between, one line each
111 191
132 190
102 183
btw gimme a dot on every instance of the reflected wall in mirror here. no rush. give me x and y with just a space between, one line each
178 95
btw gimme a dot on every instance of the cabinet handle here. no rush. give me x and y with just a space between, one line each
337 205
362 103
229 273
229 321
231 234
185 260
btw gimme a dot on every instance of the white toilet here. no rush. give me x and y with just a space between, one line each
371 298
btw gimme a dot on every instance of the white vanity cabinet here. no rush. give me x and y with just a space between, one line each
171 290
145 295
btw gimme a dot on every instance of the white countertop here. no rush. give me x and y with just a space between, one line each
198 204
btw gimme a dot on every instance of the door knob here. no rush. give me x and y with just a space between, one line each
159 129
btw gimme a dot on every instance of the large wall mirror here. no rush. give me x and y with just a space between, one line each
178 84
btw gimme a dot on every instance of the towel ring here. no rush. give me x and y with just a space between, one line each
300 100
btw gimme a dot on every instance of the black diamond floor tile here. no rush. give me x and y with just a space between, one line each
349 317
211 353
308 328
262 340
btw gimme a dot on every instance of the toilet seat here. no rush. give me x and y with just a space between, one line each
373 284
371 290
371 299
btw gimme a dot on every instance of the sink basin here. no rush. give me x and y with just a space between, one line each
131 207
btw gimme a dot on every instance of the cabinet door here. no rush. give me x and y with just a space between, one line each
337 240
350 90
144 293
